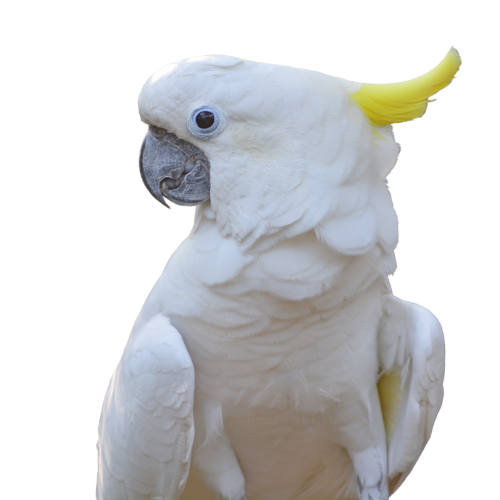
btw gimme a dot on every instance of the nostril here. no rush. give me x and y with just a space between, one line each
189 167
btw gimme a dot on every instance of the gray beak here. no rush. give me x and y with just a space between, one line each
174 169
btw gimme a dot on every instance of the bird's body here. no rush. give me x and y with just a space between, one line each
269 363
277 308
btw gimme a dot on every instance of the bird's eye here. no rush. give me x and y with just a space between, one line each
205 122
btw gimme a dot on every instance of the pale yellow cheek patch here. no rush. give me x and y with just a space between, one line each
389 393
390 103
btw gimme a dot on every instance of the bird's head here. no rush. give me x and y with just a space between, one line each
270 146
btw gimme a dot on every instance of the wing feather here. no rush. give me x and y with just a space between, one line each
146 429
411 346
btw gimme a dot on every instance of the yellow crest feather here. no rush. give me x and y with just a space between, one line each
390 103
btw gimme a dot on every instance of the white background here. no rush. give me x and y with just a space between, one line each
83 241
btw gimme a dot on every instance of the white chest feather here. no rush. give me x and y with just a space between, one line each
285 328
284 341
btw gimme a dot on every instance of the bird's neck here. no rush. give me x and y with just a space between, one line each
298 268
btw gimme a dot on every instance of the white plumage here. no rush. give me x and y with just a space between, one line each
280 300
146 429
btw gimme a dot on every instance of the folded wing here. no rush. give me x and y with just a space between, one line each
411 352
146 429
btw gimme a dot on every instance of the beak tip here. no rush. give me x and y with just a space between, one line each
161 199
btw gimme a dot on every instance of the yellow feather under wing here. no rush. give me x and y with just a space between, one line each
390 393
390 103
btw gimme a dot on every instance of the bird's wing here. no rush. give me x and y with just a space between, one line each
146 429
411 353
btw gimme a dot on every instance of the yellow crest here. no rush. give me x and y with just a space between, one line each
390 103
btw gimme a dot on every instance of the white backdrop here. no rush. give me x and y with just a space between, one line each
84 242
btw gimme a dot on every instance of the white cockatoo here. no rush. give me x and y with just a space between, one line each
271 360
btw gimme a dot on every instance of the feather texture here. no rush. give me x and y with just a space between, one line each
390 103
146 430
412 344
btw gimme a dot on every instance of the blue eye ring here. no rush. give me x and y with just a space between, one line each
203 115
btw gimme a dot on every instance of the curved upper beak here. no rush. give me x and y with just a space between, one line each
174 169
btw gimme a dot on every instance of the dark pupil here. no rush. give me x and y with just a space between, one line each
205 119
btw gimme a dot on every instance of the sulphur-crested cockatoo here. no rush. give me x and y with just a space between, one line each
271 351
